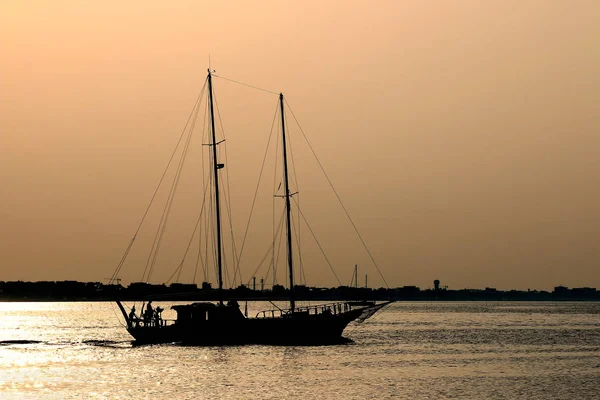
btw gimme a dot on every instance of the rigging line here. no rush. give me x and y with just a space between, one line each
197 257
228 213
204 247
213 232
266 278
302 269
227 280
228 197
245 84
161 221
179 270
198 100
210 222
269 270
338 197
273 265
275 192
112 308
199 217
296 228
180 267
168 206
170 198
257 187
259 265
268 250
295 178
236 271
289 137
198 225
209 248
116 272
281 235
275 305
218 251
210 232
207 238
204 183
318 244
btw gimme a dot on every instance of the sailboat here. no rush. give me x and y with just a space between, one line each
223 323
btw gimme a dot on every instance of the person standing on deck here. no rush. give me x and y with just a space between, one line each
148 314
157 316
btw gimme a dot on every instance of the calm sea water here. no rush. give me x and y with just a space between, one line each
407 351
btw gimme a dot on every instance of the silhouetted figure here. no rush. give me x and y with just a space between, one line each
148 314
133 318
158 316
233 303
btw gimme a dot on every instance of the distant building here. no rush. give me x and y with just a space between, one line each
183 287
278 290
561 290
436 285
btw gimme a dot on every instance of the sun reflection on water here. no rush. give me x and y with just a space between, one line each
411 350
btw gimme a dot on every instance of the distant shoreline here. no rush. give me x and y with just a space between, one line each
73 291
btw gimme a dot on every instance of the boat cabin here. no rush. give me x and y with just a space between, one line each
200 312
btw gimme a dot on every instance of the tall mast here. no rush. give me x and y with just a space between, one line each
287 208
216 167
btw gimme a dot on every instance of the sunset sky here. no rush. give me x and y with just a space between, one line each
462 136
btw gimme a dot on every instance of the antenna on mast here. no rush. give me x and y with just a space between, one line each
209 67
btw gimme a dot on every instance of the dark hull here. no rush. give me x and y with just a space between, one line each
313 330
298 329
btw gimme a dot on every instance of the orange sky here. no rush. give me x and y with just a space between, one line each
462 136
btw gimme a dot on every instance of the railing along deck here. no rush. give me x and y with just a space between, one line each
139 322
333 308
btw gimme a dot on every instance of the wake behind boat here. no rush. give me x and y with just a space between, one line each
223 323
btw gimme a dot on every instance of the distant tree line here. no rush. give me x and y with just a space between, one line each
96 291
